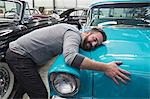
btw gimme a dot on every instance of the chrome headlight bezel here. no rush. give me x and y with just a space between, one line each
61 80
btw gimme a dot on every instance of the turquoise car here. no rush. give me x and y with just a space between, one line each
127 25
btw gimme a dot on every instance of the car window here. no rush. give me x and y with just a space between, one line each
34 12
126 14
139 12
10 10
78 13
75 13
27 11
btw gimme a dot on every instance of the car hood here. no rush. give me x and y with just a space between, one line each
126 42
129 45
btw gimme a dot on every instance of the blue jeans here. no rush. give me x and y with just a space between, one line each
26 73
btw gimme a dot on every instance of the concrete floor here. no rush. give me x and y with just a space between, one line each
43 72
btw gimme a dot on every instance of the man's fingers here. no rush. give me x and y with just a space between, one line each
124 71
115 80
117 73
118 63
121 79
123 76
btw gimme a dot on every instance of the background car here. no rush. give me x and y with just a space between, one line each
127 25
74 16
15 21
36 14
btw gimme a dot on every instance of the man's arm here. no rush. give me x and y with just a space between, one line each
72 57
71 49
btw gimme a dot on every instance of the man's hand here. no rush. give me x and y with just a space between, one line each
116 73
110 69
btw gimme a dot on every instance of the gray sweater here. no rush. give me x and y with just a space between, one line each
42 44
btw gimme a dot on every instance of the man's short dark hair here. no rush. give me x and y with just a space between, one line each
101 31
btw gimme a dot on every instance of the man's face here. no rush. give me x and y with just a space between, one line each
92 40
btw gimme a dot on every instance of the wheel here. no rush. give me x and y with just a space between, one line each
6 81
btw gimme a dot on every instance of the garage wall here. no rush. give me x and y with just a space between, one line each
61 4
72 3
84 3
29 2
45 3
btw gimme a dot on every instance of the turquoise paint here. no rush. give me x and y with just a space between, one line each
134 52
84 75
60 66
131 45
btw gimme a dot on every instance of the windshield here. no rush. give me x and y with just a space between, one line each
10 10
125 14
35 12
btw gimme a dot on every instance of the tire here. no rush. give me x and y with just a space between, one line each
6 81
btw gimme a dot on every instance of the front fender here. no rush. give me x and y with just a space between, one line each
60 66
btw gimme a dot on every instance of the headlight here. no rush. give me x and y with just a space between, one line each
64 84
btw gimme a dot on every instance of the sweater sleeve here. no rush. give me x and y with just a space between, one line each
71 45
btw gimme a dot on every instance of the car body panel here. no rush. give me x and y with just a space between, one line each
131 39
134 53
59 66
129 43
84 75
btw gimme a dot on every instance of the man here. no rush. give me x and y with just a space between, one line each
36 48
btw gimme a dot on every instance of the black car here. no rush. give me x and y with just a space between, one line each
74 16
15 21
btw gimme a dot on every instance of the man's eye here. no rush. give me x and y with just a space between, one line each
96 40
88 44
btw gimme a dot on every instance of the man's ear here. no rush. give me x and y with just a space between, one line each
88 33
